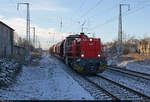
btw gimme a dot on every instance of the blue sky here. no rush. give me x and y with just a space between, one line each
47 14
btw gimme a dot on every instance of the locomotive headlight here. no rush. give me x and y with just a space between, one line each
99 55
82 55
90 39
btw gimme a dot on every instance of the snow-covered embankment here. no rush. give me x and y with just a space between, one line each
8 71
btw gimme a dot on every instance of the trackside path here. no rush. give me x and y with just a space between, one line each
44 82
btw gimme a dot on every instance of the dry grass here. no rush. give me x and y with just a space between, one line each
123 58
36 55
137 56
141 59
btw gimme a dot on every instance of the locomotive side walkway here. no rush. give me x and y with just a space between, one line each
44 82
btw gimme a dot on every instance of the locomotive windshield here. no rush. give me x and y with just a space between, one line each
73 37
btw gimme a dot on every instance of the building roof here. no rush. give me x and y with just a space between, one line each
6 25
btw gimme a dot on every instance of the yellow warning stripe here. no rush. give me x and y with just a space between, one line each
78 68
102 68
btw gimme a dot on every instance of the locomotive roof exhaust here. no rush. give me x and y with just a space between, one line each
82 35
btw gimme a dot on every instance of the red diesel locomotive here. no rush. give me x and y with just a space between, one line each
82 53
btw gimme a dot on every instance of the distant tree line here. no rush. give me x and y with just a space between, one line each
130 44
22 42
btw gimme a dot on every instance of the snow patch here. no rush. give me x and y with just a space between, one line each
8 71
45 82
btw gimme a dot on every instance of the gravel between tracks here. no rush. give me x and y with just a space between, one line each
129 81
117 91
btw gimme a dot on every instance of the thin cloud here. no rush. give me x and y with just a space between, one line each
49 9
4 9
1 17
45 34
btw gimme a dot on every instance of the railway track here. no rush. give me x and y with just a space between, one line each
101 88
124 87
131 72
96 92
119 91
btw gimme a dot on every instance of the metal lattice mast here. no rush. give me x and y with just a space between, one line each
82 26
120 44
120 31
34 36
27 28
28 25
61 25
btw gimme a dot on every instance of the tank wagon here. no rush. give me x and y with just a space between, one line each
82 53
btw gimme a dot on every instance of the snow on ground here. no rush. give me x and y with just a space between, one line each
138 67
8 70
134 66
130 82
44 82
130 64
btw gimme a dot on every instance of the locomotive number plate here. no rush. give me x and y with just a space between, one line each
90 44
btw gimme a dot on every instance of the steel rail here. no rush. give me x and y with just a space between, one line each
146 74
127 88
97 86
131 73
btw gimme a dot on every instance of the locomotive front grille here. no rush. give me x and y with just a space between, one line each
91 67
